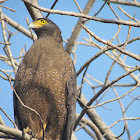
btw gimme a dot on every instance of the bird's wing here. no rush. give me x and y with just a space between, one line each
71 104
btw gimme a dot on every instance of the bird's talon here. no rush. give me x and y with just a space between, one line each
32 135
28 130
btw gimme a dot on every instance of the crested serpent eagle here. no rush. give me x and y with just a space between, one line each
46 82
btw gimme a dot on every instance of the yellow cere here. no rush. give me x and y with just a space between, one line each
40 23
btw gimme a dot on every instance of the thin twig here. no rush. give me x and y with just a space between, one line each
5 43
82 126
121 133
124 114
101 8
136 134
127 14
8 117
80 10
52 7
130 41
92 58
134 99
92 126
33 37
7 8
88 131
7 46
83 79
1 121
5 78
116 98
122 119
128 3
113 10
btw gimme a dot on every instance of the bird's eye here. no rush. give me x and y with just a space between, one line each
43 22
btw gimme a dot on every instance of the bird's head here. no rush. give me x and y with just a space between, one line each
44 26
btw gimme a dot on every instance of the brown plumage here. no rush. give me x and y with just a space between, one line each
46 82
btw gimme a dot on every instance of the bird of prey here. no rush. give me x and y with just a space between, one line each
46 82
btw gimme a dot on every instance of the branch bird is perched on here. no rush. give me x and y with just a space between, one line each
46 82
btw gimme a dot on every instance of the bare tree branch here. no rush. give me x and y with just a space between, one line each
14 132
120 22
87 130
92 126
7 46
18 27
116 98
35 13
8 117
124 115
91 59
100 92
111 45
128 3
128 118
77 28
1 121
94 117
127 14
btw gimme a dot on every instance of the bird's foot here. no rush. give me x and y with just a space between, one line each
29 131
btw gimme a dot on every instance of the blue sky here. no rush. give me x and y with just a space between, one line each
98 68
